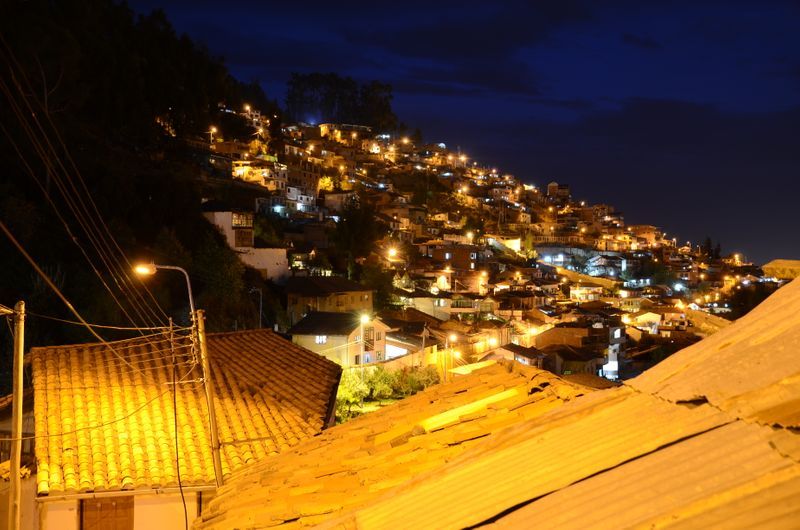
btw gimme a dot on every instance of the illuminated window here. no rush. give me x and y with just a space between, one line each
321 339
448 255
242 220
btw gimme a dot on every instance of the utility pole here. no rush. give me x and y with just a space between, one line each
212 417
16 414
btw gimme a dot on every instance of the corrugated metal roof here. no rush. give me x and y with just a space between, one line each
704 473
352 464
688 445
751 368
540 456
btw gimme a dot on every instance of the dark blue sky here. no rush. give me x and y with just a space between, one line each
680 114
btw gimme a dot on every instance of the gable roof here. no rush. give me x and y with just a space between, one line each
705 439
104 426
323 286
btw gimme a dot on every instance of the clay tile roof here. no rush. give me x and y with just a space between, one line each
352 464
706 439
104 426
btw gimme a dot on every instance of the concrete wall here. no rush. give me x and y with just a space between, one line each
59 515
163 511
272 263
29 517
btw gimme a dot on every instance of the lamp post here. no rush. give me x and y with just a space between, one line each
260 302
149 269
363 320
211 132
451 339
198 332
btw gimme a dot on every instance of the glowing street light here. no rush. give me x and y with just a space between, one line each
392 252
211 132
405 139
149 269
247 108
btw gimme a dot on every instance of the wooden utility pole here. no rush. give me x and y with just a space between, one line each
212 417
16 417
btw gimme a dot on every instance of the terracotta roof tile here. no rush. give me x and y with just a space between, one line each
102 426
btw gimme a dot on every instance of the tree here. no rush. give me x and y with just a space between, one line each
356 232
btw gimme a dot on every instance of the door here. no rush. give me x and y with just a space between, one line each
110 513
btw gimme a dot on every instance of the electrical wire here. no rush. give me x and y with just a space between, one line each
80 210
58 292
79 216
177 446
103 326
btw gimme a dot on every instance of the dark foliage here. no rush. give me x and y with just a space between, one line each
319 98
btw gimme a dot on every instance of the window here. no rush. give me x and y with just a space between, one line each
473 255
377 335
111 513
617 333
438 302
321 339
357 359
448 255
379 355
472 265
242 220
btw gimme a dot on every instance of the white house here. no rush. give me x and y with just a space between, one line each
338 337
237 227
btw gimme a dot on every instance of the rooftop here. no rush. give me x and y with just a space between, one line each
323 286
103 425
326 323
707 438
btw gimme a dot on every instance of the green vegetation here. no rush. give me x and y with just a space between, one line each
379 387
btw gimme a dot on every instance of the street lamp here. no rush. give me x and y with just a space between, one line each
364 319
448 342
392 252
260 302
149 269
211 132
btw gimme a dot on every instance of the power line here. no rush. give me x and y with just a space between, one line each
53 286
102 326
78 206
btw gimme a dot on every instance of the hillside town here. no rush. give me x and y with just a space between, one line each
234 306
475 264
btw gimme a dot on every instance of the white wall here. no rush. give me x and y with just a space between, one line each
163 511
272 263
59 515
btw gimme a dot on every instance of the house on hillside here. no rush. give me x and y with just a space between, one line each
325 293
237 227
120 427
337 336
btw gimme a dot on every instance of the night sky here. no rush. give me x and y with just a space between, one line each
681 114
